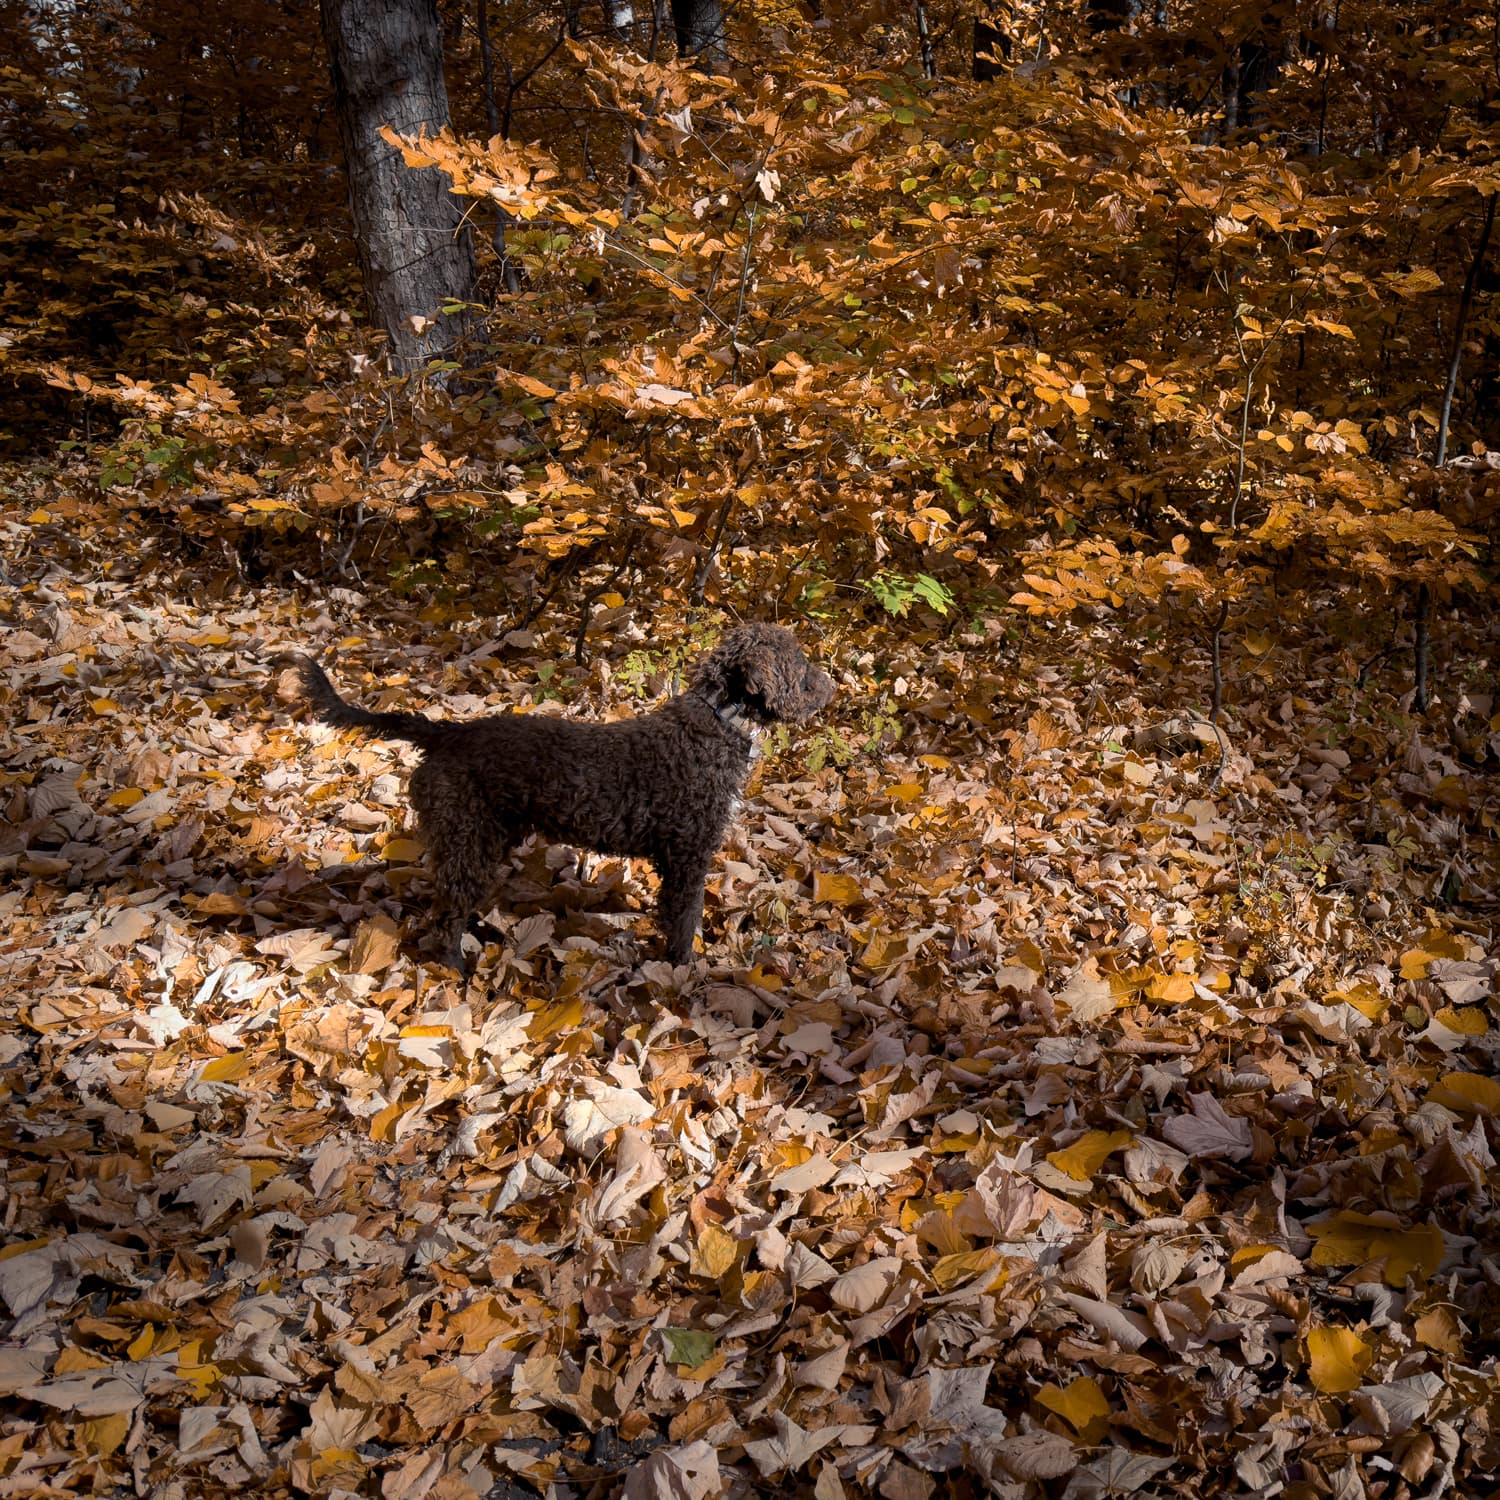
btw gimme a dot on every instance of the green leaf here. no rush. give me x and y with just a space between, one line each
687 1346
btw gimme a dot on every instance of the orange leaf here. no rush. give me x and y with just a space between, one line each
1081 1404
1338 1358
841 890
1089 1152
227 1069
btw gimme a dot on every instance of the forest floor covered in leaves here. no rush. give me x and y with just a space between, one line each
1065 1103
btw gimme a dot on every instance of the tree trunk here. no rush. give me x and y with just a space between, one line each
991 48
700 31
619 19
415 253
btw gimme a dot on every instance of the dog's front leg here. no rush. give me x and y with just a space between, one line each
680 910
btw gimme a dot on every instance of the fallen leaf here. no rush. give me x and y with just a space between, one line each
1338 1358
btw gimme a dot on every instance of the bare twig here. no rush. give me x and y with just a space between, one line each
1465 302
700 578
633 167
1218 697
739 309
1455 358
1419 648
510 275
632 536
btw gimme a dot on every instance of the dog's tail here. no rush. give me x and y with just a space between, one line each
332 709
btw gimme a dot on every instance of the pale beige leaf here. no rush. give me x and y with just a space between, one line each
866 1286
690 1472
1034 1455
823 1371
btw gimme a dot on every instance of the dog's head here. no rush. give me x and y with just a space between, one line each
760 669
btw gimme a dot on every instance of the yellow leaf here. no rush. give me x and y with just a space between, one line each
481 1323
938 1229
402 851
1467 1092
39 518
1087 1154
682 517
142 1344
964 1141
192 1368
126 797
534 386
841 890
550 1020
1338 1359
1364 997
227 1069
1444 944
935 762
1174 989
102 1435
1247 1255
1081 1404
884 949
1350 1239
1422 280
1257 642
949 1270
1467 1022
715 1254
104 706
613 600
1414 963
73 1359
907 791
383 1123
220 904
22 1246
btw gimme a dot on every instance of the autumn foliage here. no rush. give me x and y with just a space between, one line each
1088 1083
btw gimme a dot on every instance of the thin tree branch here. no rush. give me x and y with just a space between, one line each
1465 302
1455 358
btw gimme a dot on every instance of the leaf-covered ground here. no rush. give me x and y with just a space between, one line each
1068 1102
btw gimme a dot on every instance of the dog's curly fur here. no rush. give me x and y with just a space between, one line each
662 786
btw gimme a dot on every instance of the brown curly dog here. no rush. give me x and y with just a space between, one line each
662 787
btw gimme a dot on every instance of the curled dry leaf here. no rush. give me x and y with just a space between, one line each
866 1286
690 1472
1033 1456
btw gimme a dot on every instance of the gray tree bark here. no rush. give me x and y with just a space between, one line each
700 31
415 252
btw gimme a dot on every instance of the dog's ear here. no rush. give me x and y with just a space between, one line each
761 669
757 683
726 678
